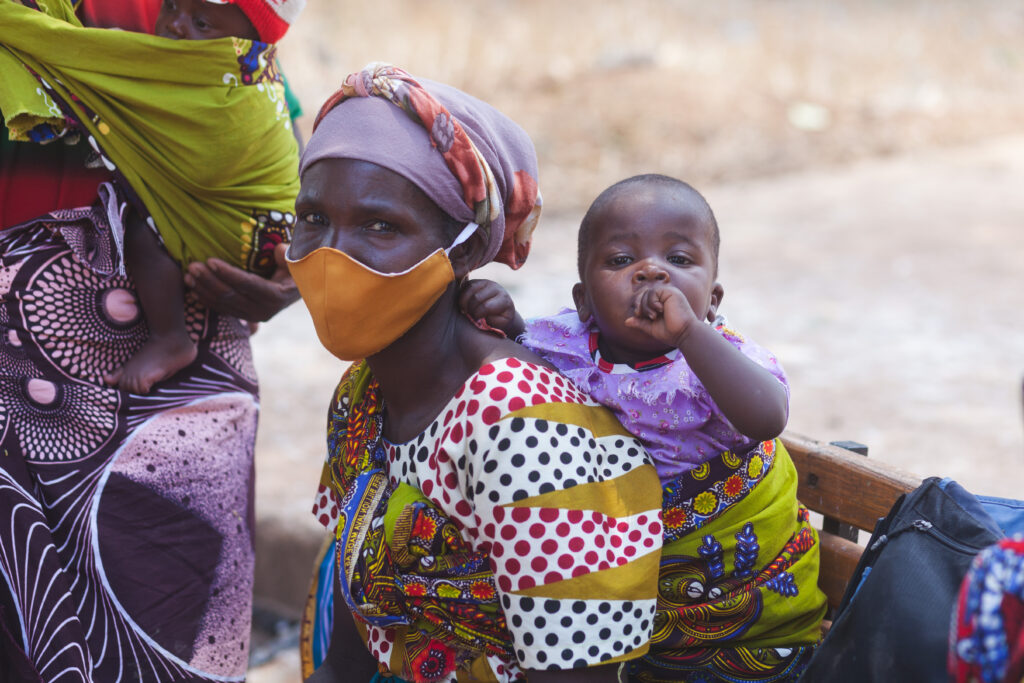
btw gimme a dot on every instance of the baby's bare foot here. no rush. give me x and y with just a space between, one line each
158 359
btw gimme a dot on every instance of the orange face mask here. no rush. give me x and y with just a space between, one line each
358 311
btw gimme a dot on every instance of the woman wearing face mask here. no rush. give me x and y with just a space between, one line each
491 521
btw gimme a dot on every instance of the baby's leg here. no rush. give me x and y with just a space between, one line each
158 280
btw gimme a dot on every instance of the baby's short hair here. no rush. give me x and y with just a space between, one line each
657 179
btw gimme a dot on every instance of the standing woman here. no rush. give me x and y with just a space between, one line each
126 551
493 522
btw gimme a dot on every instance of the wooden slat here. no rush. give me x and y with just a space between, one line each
838 560
851 488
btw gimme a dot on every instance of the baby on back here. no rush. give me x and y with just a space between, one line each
158 278
645 339
737 593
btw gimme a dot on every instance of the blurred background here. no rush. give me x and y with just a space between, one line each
865 159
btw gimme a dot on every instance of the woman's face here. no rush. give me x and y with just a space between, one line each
372 214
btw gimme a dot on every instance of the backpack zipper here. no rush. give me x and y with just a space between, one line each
926 527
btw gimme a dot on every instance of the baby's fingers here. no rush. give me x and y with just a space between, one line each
466 295
647 305
472 287
482 299
473 295
638 323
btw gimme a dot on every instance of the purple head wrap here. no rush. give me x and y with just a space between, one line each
475 163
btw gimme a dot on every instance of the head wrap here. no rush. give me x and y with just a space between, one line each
271 18
469 158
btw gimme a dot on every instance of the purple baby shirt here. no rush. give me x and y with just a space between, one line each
666 406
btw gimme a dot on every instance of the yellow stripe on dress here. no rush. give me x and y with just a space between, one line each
623 496
598 420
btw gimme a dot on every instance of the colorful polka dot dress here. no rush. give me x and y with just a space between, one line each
563 502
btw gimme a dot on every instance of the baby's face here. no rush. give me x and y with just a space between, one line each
201 20
646 229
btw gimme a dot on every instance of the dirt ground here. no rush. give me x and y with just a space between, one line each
865 161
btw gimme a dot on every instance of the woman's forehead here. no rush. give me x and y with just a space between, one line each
344 175
357 182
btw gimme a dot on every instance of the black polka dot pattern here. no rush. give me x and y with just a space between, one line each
577 633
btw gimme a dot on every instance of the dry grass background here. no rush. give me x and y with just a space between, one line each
707 91
864 158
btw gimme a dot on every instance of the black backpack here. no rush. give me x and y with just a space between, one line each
893 622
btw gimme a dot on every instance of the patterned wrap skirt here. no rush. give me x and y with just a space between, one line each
738 599
126 552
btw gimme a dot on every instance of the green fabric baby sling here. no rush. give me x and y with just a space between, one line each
198 131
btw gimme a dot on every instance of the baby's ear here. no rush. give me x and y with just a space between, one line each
579 297
717 294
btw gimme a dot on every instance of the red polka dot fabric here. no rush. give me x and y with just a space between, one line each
325 507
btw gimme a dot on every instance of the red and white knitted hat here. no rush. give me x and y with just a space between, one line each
270 17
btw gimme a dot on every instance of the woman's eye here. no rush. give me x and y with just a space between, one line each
313 218
380 226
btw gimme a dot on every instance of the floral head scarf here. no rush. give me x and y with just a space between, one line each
475 163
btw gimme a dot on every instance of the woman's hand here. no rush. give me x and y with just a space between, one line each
233 291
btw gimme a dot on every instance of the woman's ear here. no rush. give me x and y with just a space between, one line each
468 255
717 294
579 297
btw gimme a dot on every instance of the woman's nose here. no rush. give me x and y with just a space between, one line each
648 273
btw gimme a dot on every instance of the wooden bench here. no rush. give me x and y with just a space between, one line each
851 492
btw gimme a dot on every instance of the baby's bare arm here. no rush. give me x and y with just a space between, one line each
749 396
